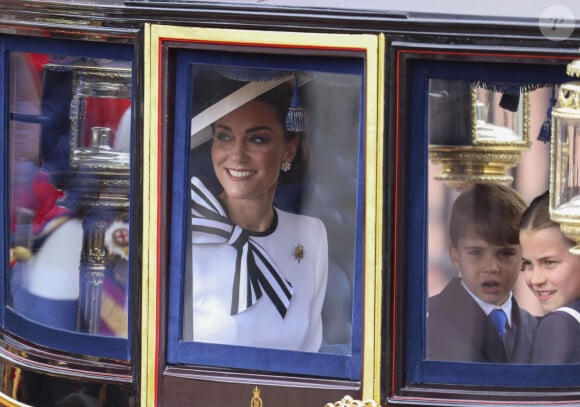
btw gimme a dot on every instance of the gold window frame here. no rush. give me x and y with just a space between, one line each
372 47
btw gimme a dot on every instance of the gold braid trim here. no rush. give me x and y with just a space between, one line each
348 401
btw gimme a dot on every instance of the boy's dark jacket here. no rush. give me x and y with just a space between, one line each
459 330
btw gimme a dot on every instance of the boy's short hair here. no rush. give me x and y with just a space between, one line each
489 211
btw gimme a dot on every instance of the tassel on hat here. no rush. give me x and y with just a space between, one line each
295 118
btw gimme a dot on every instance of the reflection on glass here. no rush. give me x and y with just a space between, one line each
286 183
476 133
105 92
69 135
567 163
446 96
499 116
481 113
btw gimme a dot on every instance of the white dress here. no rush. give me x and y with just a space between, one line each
261 325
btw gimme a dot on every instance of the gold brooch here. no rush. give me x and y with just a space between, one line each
298 253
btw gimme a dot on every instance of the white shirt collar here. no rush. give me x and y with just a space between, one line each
487 307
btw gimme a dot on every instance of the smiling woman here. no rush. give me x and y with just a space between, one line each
249 150
259 273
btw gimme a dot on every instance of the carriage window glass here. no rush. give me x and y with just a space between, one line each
485 169
272 257
69 149
477 318
317 258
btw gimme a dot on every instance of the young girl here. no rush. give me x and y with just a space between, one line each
553 275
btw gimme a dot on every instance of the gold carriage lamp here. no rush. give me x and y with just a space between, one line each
565 158
476 132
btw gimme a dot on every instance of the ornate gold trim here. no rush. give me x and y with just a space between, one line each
150 282
348 401
573 68
256 400
462 166
371 388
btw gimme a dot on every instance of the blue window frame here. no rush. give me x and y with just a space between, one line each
418 370
17 323
334 360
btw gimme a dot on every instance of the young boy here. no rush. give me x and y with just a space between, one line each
484 248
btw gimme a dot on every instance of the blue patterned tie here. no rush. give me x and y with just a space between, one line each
499 320
256 272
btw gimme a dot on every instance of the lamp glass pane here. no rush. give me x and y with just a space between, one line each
566 156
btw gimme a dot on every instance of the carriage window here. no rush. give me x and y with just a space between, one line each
278 272
69 154
261 213
475 226
477 319
266 196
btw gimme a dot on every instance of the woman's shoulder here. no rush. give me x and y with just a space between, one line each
299 220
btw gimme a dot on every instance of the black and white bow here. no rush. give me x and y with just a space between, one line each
255 272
